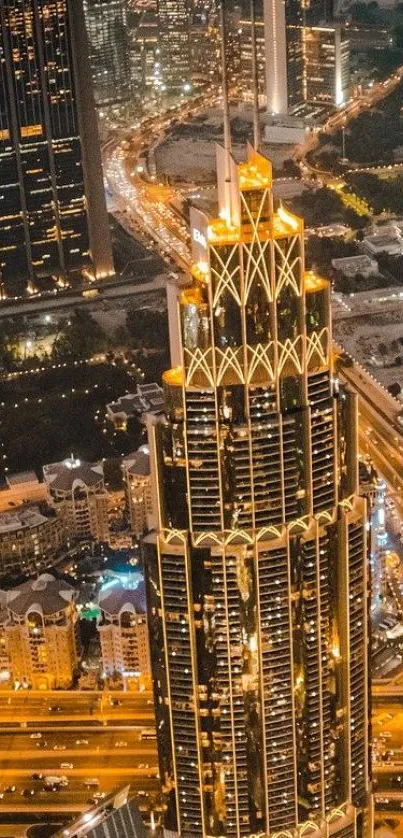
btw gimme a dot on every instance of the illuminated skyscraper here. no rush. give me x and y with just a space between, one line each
174 43
283 20
53 214
327 64
257 573
109 46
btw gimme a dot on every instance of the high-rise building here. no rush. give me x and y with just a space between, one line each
145 61
174 44
76 490
53 219
109 46
257 573
137 483
245 26
40 629
123 628
326 64
284 54
117 815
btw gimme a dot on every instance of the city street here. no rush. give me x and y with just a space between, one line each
90 738
71 706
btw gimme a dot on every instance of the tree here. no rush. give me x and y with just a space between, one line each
113 473
81 337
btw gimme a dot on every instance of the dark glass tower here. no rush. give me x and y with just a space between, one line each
53 214
257 574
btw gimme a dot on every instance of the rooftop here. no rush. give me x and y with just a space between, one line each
27 517
138 462
124 593
21 478
117 815
148 398
45 594
62 476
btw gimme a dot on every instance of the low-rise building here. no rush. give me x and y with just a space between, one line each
77 492
383 240
123 629
40 628
148 398
350 266
23 487
28 536
138 494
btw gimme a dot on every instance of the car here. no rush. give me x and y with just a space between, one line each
91 781
115 702
35 736
59 747
82 742
28 792
36 776
9 790
121 744
55 708
66 766
99 795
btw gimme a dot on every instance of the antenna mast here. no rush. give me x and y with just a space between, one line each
225 100
255 82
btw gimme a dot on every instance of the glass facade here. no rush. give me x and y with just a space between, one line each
174 43
108 36
44 227
257 580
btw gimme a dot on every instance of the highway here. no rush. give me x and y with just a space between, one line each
341 118
85 736
380 433
142 205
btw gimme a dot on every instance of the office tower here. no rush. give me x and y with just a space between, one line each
283 20
123 629
53 218
40 627
109 47
246 56
327 64
174 44
257 573
76 490
144 55
204 44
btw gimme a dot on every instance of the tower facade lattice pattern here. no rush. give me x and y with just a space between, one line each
257 574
